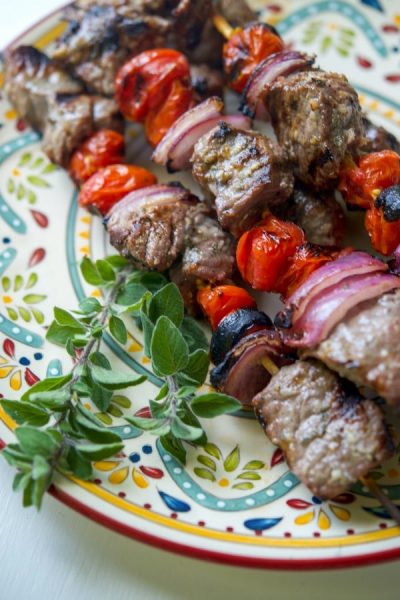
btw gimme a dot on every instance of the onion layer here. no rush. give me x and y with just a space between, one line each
242 373
331 305
276 65
355 263
176 147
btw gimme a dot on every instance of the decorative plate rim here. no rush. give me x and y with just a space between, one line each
281 564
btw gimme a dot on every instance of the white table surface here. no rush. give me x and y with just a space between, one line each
58 554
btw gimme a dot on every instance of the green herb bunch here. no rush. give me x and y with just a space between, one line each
57 433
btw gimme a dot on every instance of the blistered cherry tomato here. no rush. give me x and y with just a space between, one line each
263 252
103 148
144 83
361 183
111 184
220 301
245 49
159 120
385 235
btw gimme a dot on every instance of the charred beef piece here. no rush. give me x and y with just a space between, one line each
150 229
319 215
377 138
243 173
32 80
331 436
206 82
209 255
102 36
53 103
365 347
71 119
317 119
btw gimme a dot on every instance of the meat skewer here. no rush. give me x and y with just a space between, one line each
342 308
314 416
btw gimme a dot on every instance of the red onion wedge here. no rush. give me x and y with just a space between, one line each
160 194
331 305
176 147
242 373
355 263
276 65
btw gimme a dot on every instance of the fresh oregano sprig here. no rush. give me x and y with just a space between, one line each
57 433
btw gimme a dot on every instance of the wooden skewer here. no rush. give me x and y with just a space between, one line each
376 491
222 25
392 509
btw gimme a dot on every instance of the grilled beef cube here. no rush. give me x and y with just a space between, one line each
209 250
320 216
32 80
209 254
102 36
150 229
377 138
243 173
317 119
206 82
331 436
365 347
71 119
53 103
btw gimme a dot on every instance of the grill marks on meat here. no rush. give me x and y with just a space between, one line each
377 138
32 80
319 215
330 434
53 102
365 347
151 232
317 119
243 173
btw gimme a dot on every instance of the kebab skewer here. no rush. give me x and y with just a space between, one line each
330 434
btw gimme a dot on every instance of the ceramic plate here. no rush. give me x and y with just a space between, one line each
236 501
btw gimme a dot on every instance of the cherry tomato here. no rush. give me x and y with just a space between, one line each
245 49
385 235
144 82
306 259
220 301
111 184
159 120
103 148
361 184
263 252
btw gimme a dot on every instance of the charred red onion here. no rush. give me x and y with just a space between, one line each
331 305
233 328
176 147
276 65
242 373
355 263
